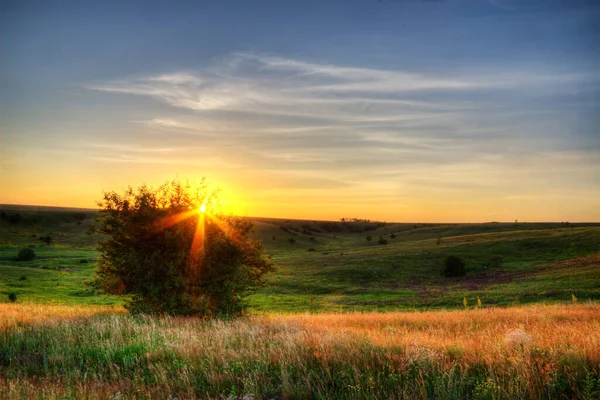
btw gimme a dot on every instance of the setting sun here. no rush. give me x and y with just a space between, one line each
202 208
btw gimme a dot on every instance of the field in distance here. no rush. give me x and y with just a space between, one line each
335 266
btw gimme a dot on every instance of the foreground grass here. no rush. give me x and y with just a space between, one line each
491 353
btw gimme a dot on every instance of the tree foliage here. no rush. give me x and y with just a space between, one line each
26 254
454 266
154 252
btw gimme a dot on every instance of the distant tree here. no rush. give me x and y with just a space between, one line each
454 266
12 297
26 254
14 218
170 258
393 236
382 240
292 240
369 238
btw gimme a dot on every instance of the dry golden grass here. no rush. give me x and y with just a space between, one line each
479 332
15 314
540 351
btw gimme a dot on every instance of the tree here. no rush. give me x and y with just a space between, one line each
169 257
26 254
454 266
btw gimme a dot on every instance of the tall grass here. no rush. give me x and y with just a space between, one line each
490 353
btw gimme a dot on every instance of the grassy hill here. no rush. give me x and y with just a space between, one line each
332 266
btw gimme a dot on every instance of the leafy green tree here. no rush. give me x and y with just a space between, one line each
26 254
169 257
454 266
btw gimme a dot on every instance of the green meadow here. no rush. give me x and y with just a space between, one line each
335 266
317 329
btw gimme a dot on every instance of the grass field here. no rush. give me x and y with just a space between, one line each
535 352
332 267
311 332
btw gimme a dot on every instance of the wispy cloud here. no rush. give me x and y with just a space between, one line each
365 126
257 83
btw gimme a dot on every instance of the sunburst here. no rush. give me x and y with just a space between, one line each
198 245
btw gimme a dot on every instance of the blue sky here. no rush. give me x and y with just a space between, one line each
394 109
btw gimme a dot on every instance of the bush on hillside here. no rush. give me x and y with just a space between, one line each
170 258
12 297
26 254
454 266
14 218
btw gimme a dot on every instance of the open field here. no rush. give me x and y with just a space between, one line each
535 352
310 332
332 267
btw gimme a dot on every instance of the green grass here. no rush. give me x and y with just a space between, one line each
507 263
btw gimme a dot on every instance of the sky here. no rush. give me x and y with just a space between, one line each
394 110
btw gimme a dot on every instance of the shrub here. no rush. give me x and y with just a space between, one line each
292 240
170 258
26 254
46 239
83 261
369 238
12 297
393 236
383 241
311 249
454 266
22 278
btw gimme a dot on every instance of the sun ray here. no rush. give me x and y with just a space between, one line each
198 243
223 226
173 220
